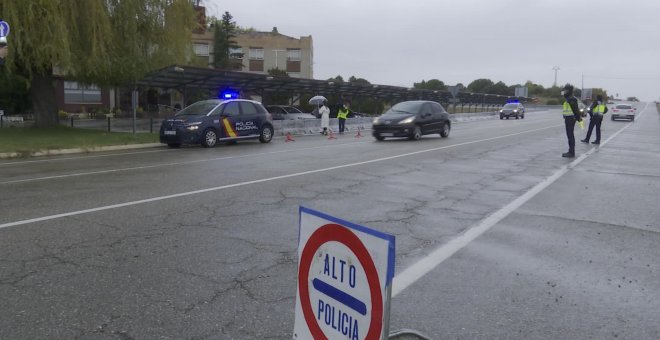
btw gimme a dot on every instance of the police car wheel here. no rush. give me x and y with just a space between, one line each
266 134
210 138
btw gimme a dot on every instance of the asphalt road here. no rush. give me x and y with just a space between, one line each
497 235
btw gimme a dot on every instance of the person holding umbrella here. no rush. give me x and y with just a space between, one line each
325 118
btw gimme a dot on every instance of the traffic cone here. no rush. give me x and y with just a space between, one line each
358 134
289 138
331 135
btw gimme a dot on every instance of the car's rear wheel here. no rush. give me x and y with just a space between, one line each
501 117
445 130
517 117
210 138
266 134
612 118
523 116
417 133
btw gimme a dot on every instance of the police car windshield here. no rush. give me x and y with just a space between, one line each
511 106
406 108
199 108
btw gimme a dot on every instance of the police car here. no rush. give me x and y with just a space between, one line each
208 122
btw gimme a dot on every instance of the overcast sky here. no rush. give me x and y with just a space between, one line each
610 44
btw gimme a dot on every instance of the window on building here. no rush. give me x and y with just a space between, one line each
201 49
256 53
294 54
78 93
236 53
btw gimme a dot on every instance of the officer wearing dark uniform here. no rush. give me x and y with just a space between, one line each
596 112
571 114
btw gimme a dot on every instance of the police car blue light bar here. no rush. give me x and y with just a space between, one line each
229 94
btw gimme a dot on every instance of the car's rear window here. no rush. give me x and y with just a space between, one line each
623 107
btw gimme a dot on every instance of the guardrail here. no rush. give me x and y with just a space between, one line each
9 121
282 127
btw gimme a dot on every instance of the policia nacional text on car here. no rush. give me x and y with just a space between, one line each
571 113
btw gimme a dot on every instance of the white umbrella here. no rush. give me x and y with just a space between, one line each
317 100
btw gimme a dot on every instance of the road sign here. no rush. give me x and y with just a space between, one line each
345 276
4 29
453 90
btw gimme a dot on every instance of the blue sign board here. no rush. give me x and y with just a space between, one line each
4 29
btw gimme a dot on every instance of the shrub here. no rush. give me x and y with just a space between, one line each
62 114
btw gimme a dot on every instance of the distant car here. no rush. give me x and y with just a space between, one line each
284 112
623 111
412 119
512 110
583 108
208 122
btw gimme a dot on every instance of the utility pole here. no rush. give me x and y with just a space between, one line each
556 68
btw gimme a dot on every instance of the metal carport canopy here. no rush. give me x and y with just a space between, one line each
190 77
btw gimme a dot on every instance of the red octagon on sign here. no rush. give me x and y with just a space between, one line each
341 234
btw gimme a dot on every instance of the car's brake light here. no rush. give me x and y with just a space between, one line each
615 110
631 111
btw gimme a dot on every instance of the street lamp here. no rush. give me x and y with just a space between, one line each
556 68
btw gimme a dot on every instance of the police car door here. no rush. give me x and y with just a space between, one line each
248 124
229 115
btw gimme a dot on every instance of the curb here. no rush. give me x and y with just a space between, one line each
78 150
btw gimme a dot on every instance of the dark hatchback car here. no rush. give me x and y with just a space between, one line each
512 110
208 122
412 119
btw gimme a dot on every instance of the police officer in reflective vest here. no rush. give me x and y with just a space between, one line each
596 111
342 114
571 114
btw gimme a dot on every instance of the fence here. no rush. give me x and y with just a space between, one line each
111 124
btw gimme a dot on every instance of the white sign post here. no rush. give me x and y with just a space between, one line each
344 282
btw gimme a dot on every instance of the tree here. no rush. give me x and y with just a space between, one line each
279 97
500 88
223 41
433 84
480 85
105 42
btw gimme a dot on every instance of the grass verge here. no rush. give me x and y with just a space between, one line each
28 140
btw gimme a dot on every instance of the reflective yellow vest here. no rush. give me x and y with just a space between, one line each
599 109
342 113
567 111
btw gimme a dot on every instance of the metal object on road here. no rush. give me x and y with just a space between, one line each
407 334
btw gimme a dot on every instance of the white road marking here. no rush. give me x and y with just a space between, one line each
269 179
422 267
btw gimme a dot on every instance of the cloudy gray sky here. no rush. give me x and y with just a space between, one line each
610 44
